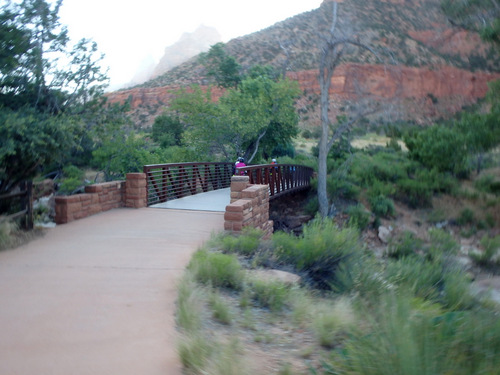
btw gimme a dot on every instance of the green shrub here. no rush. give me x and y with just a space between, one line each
466 217
341 187
382 206
404 245
220 309
319 251
439 147
490 255
488 184
195 352
415 193
245 244
358 216
189 300
218 270
270 294
423 279
442 244
404 337
332 321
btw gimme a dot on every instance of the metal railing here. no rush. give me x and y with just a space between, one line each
281 178
18 204
172 181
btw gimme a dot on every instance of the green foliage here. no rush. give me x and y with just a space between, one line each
382 206
442 245
245 244
439 147
416 193
43 103
220 309
407 337
358 216
270 294
320 250
259 116
218 270
331 321
167 131
405 245
29 140
488 184
490 256
189 300
466 217
72 180
422 278
221 66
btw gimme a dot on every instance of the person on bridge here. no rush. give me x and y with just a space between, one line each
239 164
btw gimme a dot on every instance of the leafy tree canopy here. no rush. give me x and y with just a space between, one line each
221 66
47 89
249 120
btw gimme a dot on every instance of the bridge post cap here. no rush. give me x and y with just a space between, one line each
240 178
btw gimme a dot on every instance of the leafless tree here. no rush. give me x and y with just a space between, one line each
334 45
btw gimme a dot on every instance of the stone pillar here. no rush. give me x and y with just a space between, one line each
249 206
136 190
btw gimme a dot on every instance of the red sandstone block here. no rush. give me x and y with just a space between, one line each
136 176
237 226
135 192
238 206
93 188
74 207
238 186
249 194
135 184
94 209
233 216
235 195
106 206
228 225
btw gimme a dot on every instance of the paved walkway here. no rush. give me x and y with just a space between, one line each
215 200
97 296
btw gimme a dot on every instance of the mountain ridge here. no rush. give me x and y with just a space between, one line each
424 49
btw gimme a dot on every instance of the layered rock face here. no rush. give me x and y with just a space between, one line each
429 93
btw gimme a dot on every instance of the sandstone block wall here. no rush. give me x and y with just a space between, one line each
102 197
249 206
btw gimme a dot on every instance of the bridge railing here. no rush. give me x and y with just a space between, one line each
172 181
281 178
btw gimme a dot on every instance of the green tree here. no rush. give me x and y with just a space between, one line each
167 130
47 89
221 66
28 140
439 147
247 120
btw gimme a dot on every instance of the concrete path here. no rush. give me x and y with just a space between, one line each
97 296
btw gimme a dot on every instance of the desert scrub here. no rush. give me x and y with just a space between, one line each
490 256
271 294
319 251
332 321
221 311
404 335
189 303
216 269
247 243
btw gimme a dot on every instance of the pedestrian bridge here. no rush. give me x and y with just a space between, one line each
169 182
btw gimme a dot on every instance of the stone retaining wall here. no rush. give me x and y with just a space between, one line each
102 197
249 206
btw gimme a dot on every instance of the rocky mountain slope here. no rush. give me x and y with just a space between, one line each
425 68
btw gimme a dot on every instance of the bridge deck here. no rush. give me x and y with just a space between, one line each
215 200
97 296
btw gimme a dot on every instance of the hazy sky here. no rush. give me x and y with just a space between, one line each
130 31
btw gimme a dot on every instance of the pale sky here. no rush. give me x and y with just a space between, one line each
130 31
